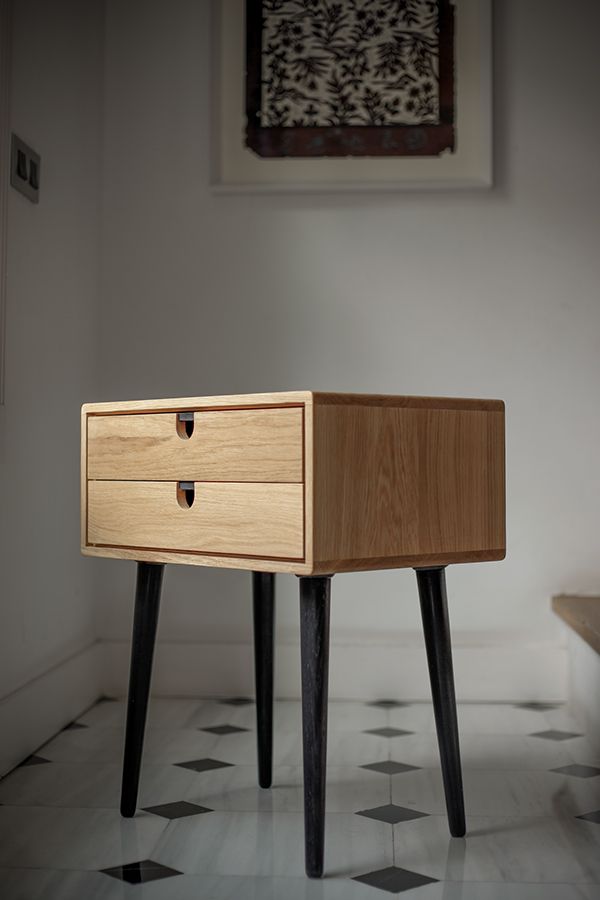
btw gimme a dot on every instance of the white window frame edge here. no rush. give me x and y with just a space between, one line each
5 67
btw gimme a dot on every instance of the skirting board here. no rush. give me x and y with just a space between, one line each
584 686
34 713
357 671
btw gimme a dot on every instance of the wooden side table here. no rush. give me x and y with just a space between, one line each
305 483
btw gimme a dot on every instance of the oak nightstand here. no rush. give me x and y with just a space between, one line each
305 483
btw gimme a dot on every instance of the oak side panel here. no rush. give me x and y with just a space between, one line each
225 518
405 484
227 445
371 563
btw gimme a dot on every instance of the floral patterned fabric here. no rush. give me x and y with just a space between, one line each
357 63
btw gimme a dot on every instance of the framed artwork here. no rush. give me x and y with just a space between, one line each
360 95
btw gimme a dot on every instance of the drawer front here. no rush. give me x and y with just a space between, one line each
234 519
224 445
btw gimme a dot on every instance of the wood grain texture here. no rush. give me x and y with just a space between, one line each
417 560
308 481
582 614
406 402
232 518
388 481
404 483
219 561
228 445
225 401
83 477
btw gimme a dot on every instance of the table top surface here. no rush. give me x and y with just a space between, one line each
296 397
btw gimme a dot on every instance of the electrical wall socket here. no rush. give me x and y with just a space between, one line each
25 169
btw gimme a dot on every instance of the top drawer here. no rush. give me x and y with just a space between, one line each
216 445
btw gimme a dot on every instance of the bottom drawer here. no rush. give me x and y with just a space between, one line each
234 519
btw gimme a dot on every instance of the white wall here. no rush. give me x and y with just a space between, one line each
461 293
48 667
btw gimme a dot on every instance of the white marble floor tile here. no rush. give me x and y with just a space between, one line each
227 887
162 713
561 717
583 750
236 789
105 714
233 788
357 748
506 891
349 789
47 837
161 745
287 716
87 745
61 820
271 844
93 785
352 716
53 884
240 748
487 751
165 746
62 784
498 718
477 890
501 849
59 884
415 717
172 713
501 793
212 712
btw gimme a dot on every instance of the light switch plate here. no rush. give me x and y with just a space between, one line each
25 169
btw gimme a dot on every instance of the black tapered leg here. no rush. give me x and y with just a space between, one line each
263 594
434 610
315 592
147 600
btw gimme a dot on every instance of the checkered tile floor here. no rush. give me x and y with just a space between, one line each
204 830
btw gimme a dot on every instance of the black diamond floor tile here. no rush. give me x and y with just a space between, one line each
389 767
139 872
74 726
203 765
388 732
388 704
536 705
578 770
394 879
223 729
591 817
391 814
34 760
553 735
237 701
177 810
